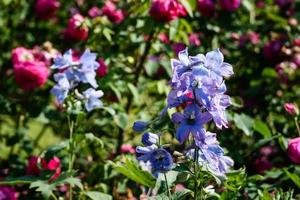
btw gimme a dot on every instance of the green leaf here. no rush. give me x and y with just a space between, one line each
91 137
98 195
135 93
173 29
294 177
262 128
187 5
43 187
107 34
121 120
244 122
131 170
269 72
18 180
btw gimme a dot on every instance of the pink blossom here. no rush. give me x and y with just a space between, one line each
291 108
251 37
8 193
46 9
207 7
229 5
102 69
127 148
31 74
294 150
113 14
166 10
32 168
76 29
21 54
164 38
194 39
94 12
296 59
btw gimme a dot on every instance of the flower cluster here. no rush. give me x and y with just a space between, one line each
71 73
198 84
155 159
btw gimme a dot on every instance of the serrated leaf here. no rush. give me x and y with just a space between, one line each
98 195
262 128
131 170
244 122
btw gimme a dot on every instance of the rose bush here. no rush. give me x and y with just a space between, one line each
98 99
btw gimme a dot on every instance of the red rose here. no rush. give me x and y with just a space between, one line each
46 9
76 30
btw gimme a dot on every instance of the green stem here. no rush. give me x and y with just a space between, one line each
53 195
71 153
167 185
297 125
196 174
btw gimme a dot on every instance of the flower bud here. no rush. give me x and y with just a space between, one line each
140 126
291 108
294 150
149 138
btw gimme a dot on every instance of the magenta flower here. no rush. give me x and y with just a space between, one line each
262 164
194 39
46 9
272 50
8 193
31 74
230 5
94 12
32 168
294 150
127 149
21 54
291 108
76 29
103 69
166 10
113 14
207 7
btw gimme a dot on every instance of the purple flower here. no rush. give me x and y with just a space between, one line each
191 121
161 161
149 139
230 5
140 126
8 193
64 61
144 153
91 97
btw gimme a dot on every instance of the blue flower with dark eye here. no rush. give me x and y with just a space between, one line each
161 161
64 61
91 97
191 121
149 138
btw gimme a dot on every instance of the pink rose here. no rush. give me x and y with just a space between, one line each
31 74
113 14
291 108
164 38
32 168
102 69
229 5
8 193
207 7
46 9
127 148
20 54
166 10
294 150
94 12
76 29
194 39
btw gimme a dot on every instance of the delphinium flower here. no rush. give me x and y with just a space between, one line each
199 82
74 72
154 158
